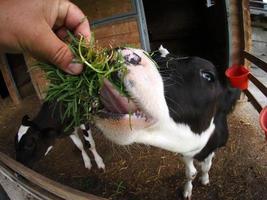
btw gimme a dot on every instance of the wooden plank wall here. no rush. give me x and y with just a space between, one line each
118 33
100 9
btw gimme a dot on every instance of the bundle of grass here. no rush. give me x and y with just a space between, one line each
79 94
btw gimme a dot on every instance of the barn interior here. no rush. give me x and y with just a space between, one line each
19 81
189 28
186 28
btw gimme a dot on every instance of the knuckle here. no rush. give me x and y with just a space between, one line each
60 55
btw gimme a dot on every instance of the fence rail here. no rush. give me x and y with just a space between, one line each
257 2
258 62
253 100
39 185
262 65
259 84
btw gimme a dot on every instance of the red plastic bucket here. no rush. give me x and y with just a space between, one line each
263 120
238 76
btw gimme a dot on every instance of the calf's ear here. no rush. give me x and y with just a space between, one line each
25 120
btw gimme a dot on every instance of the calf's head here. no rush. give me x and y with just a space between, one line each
31 142
163 91
191 89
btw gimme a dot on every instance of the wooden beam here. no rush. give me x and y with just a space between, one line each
258 84
47 184
39 82
247 29
259 2
253 101
258 62
9 81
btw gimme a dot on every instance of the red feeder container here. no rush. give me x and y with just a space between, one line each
238 76
263 120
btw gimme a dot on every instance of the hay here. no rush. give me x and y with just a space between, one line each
79 94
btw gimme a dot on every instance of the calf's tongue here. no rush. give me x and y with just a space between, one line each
114 101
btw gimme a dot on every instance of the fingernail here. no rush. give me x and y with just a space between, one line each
74 68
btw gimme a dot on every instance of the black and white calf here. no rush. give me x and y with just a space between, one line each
35 138
179 105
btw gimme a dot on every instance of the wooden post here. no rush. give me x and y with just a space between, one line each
9 81
247 31
39 82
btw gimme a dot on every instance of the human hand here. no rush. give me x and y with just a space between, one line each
37 27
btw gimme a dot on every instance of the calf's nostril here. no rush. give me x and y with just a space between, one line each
130 83
136 59
132 58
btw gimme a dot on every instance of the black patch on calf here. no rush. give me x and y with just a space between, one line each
220 136
86 144
195 95
132 58
190 95
26 122
87 126
43 131
85 133
27 146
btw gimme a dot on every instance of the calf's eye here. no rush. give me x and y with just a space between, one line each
208 76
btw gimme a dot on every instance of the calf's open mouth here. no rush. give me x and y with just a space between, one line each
120 107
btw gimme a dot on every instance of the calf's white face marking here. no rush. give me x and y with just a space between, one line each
22 131
48 150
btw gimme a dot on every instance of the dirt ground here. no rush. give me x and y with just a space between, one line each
136 172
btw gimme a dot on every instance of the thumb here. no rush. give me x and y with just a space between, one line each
49 47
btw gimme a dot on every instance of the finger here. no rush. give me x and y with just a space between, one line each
62 33
52 49
74 19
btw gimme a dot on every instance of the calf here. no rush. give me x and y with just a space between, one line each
177 104
180 106
36 138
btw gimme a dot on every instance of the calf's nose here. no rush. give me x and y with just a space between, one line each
131 57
